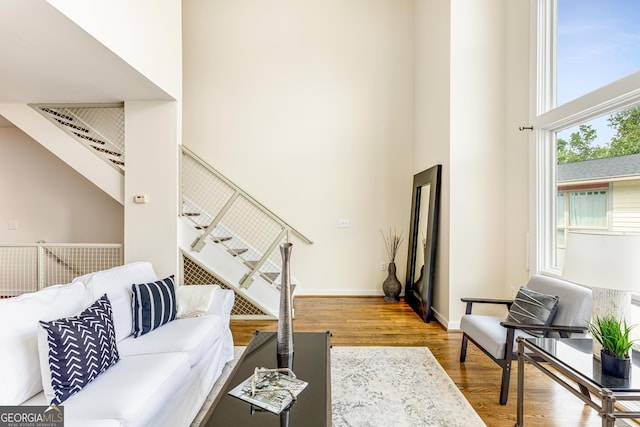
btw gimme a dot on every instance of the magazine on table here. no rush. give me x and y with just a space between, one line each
272 390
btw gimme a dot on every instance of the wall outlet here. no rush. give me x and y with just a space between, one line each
383 266
343 223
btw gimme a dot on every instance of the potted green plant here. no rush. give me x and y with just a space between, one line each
613 336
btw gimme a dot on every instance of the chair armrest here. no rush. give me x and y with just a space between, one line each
561 329
471 301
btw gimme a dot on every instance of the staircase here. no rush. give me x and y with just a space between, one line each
98 127
223 227
225 236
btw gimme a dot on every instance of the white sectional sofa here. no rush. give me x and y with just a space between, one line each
161 378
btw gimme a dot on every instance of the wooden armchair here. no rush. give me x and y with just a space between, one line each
495 336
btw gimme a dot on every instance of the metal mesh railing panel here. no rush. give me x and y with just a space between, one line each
98 127
107 121
32 267
251 225
18 271
194 274
63 264
245 228
204 191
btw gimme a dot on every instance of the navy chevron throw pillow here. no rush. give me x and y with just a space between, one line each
154 304
80 348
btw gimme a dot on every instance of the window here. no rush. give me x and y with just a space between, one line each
588 123
598 36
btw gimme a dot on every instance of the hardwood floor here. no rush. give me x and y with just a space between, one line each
369 321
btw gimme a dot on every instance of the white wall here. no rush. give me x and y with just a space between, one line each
49 200
480 54
145 33
151 232
308 107
432 133
517 145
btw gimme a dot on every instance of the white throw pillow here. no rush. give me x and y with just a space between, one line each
194 300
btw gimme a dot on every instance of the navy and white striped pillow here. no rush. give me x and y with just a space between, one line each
79 349
154 304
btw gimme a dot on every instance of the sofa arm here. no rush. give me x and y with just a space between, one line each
222 303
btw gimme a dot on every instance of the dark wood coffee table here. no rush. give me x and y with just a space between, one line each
311 363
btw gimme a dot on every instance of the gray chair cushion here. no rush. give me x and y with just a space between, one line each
574 301
533 308
487 332
573 309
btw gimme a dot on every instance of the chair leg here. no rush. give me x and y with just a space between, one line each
463 348
504 387
506 368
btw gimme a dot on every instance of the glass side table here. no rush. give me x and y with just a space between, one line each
581 374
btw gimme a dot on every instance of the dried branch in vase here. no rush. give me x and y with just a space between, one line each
392 243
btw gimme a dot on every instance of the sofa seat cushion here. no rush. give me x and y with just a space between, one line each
192 335
20 376
487 332
133 391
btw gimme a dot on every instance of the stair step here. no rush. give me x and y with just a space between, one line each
220 239
55 113
104 150
117 162
191 214
236 252
72 126
270 277
88 138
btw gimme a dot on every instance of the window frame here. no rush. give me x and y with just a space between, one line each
547 119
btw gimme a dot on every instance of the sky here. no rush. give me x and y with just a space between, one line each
598 43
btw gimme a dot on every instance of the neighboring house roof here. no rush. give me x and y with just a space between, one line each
600 169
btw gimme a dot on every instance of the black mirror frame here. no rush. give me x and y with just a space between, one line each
420 295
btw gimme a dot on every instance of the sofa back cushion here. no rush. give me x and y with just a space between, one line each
20 376
116 283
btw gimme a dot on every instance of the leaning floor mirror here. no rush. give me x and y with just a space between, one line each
423 237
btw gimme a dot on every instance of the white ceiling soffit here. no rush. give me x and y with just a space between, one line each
4 122
45 57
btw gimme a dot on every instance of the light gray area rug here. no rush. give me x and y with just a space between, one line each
395 386
385 386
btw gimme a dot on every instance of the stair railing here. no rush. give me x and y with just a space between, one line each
31 267
231 217
99 127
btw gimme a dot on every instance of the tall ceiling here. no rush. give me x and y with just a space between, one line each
46 58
